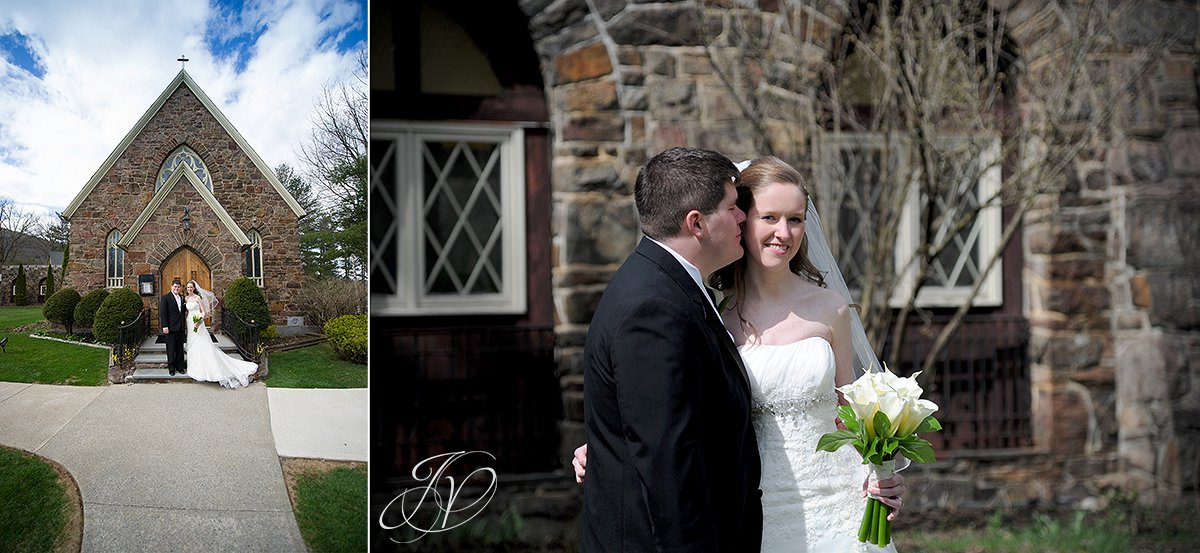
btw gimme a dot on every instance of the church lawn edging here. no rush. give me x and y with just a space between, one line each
44 511
315 366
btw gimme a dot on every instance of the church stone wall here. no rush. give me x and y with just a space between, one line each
124 191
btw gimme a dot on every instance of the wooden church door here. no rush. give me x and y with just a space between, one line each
184 265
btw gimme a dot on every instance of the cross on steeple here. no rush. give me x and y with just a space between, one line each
182 61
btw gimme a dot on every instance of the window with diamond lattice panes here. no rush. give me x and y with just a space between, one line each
447 220
863 174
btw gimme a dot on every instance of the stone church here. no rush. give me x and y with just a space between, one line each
183 196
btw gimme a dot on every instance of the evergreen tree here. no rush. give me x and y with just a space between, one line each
50 281
62 277
21 296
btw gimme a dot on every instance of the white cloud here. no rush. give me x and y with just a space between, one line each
105 62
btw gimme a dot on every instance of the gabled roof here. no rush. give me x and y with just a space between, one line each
183 172
183 79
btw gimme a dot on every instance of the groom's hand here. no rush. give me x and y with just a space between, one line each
166 330
580 462
887 491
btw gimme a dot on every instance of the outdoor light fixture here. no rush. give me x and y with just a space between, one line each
186 220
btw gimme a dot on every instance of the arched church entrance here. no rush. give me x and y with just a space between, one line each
184 265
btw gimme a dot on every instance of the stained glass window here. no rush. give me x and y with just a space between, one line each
180 157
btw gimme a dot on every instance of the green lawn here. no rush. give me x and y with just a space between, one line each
11 317
331 508
40 361
34 502
315 366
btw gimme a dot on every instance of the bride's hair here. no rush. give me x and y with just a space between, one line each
759 174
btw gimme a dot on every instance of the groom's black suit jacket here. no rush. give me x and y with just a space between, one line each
170 315
672 457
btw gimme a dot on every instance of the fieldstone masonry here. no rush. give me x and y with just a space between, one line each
241 189
1111 290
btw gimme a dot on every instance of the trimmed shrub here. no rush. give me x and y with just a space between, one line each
270 333
245 298
348 335
60 308
85 310
121 306
21 297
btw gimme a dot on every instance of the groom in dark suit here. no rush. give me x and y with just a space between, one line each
171 317
672 457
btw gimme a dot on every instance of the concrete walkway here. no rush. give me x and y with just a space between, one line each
184 466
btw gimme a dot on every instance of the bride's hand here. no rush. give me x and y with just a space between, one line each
580 463
888 491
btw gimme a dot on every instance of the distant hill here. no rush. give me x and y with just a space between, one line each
33 250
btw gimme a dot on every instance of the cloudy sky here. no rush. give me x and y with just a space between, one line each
76 76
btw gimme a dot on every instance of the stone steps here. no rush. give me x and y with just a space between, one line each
151 363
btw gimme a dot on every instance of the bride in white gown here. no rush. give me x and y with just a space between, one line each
794 335
205 361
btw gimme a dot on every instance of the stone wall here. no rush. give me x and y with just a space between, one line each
1111 276
238 186
33 277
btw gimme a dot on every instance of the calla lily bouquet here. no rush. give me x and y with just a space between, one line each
884 416
196 319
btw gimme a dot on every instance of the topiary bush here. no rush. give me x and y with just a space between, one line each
85 310
245 298
120 307
60 307
348 334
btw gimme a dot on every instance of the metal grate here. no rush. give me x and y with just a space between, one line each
982 382
492 389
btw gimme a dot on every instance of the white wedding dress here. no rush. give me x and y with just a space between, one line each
812 500
206 362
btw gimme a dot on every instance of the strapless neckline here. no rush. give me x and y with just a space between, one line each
790 344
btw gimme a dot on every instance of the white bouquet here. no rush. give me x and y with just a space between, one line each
884 416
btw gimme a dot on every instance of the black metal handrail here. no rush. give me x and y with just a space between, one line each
130 337
244 334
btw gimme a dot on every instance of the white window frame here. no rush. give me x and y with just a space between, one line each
989 219
404 141
110 245
254 251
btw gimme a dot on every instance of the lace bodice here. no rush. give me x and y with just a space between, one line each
812 500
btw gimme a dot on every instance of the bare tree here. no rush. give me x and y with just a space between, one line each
341 131
18 227
925 121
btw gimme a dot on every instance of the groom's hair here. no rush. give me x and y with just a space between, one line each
677 181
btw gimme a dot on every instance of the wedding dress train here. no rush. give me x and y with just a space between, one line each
206 362
812 500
